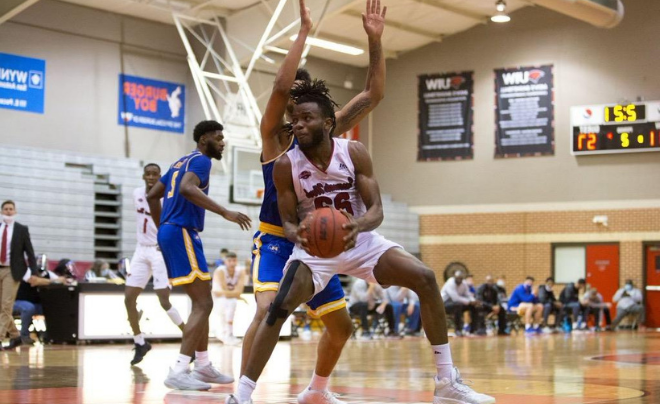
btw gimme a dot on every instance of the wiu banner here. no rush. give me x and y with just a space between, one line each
151 104
22 83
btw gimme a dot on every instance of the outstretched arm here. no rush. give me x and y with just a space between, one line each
374 91
153 199
271 122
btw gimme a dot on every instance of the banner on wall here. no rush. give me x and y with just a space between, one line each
151 104
22 83
445 116
524 112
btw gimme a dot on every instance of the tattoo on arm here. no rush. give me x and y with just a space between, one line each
354 111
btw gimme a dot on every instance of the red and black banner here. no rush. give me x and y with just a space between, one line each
524 112
445 116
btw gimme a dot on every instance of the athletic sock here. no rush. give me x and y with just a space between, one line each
443 362
139 339
174 315
245 389
319 383
202 359
182 364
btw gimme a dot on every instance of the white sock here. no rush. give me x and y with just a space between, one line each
174 315
528 326
319 383
443 362
139 339
202 359
182 364
245 389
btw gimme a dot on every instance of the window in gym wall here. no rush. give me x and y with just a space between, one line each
569 263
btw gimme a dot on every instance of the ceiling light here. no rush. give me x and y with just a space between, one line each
501 15
337 47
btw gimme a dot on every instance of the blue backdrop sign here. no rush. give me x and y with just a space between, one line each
151 104
22 83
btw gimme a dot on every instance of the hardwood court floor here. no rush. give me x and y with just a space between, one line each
550 369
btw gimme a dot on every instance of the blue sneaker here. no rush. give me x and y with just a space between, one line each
538 329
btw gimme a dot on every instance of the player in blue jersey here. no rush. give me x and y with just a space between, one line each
271 248
185 189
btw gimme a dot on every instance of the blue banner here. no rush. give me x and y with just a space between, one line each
22 83
151 104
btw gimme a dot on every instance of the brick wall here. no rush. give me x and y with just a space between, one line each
516 256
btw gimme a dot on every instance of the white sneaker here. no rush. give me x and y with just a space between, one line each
454 391
232 399
209 374
309 396
184 381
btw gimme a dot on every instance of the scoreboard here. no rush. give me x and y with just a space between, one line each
615 128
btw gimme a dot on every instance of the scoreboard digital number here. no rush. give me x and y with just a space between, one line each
615 128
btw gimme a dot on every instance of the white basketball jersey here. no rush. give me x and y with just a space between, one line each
231 281
147 233
334 187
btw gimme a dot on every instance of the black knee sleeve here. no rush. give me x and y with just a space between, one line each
275 310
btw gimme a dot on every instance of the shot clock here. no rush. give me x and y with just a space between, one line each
615 128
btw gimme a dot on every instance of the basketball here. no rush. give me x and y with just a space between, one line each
325 233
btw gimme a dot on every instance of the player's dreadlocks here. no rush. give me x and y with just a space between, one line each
316 91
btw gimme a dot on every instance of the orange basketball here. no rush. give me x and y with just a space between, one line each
324 232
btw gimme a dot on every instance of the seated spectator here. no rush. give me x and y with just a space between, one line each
369 298
401 298
457 298
594 304
489 296
501 289
100 269
570 298
550 303
629 302
524 302
469 281
65 268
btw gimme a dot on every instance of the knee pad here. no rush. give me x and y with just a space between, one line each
275 310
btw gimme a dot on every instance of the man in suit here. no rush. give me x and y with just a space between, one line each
15 245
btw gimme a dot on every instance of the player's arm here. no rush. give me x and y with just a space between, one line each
153 199
367 187
271 122
287 201
218 283
374 91
190 190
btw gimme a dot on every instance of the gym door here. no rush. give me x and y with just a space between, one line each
652 298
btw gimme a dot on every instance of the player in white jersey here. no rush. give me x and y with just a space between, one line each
325 171
147 261
228 285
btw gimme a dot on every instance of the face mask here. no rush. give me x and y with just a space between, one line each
8 219
500 283
628 287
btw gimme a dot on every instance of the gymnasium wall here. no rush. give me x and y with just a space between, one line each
84 49
502 215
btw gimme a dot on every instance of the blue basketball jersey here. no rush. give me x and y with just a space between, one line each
177 209
270 212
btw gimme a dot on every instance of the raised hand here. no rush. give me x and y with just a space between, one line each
305 17
373 19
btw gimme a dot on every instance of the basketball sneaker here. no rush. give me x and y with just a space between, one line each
232 399
140 352
309 396
454 391
209 374
185 381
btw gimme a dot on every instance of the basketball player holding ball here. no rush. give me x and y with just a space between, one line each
325 171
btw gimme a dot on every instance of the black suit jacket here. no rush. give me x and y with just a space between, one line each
20 244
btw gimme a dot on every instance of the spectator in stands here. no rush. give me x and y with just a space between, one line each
66 268
100 269
524 302
629 302
570 298
550 304
457 298
469 281
369 298
223 255
489 296
501 289
594 304
15 247
28 303
401 298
